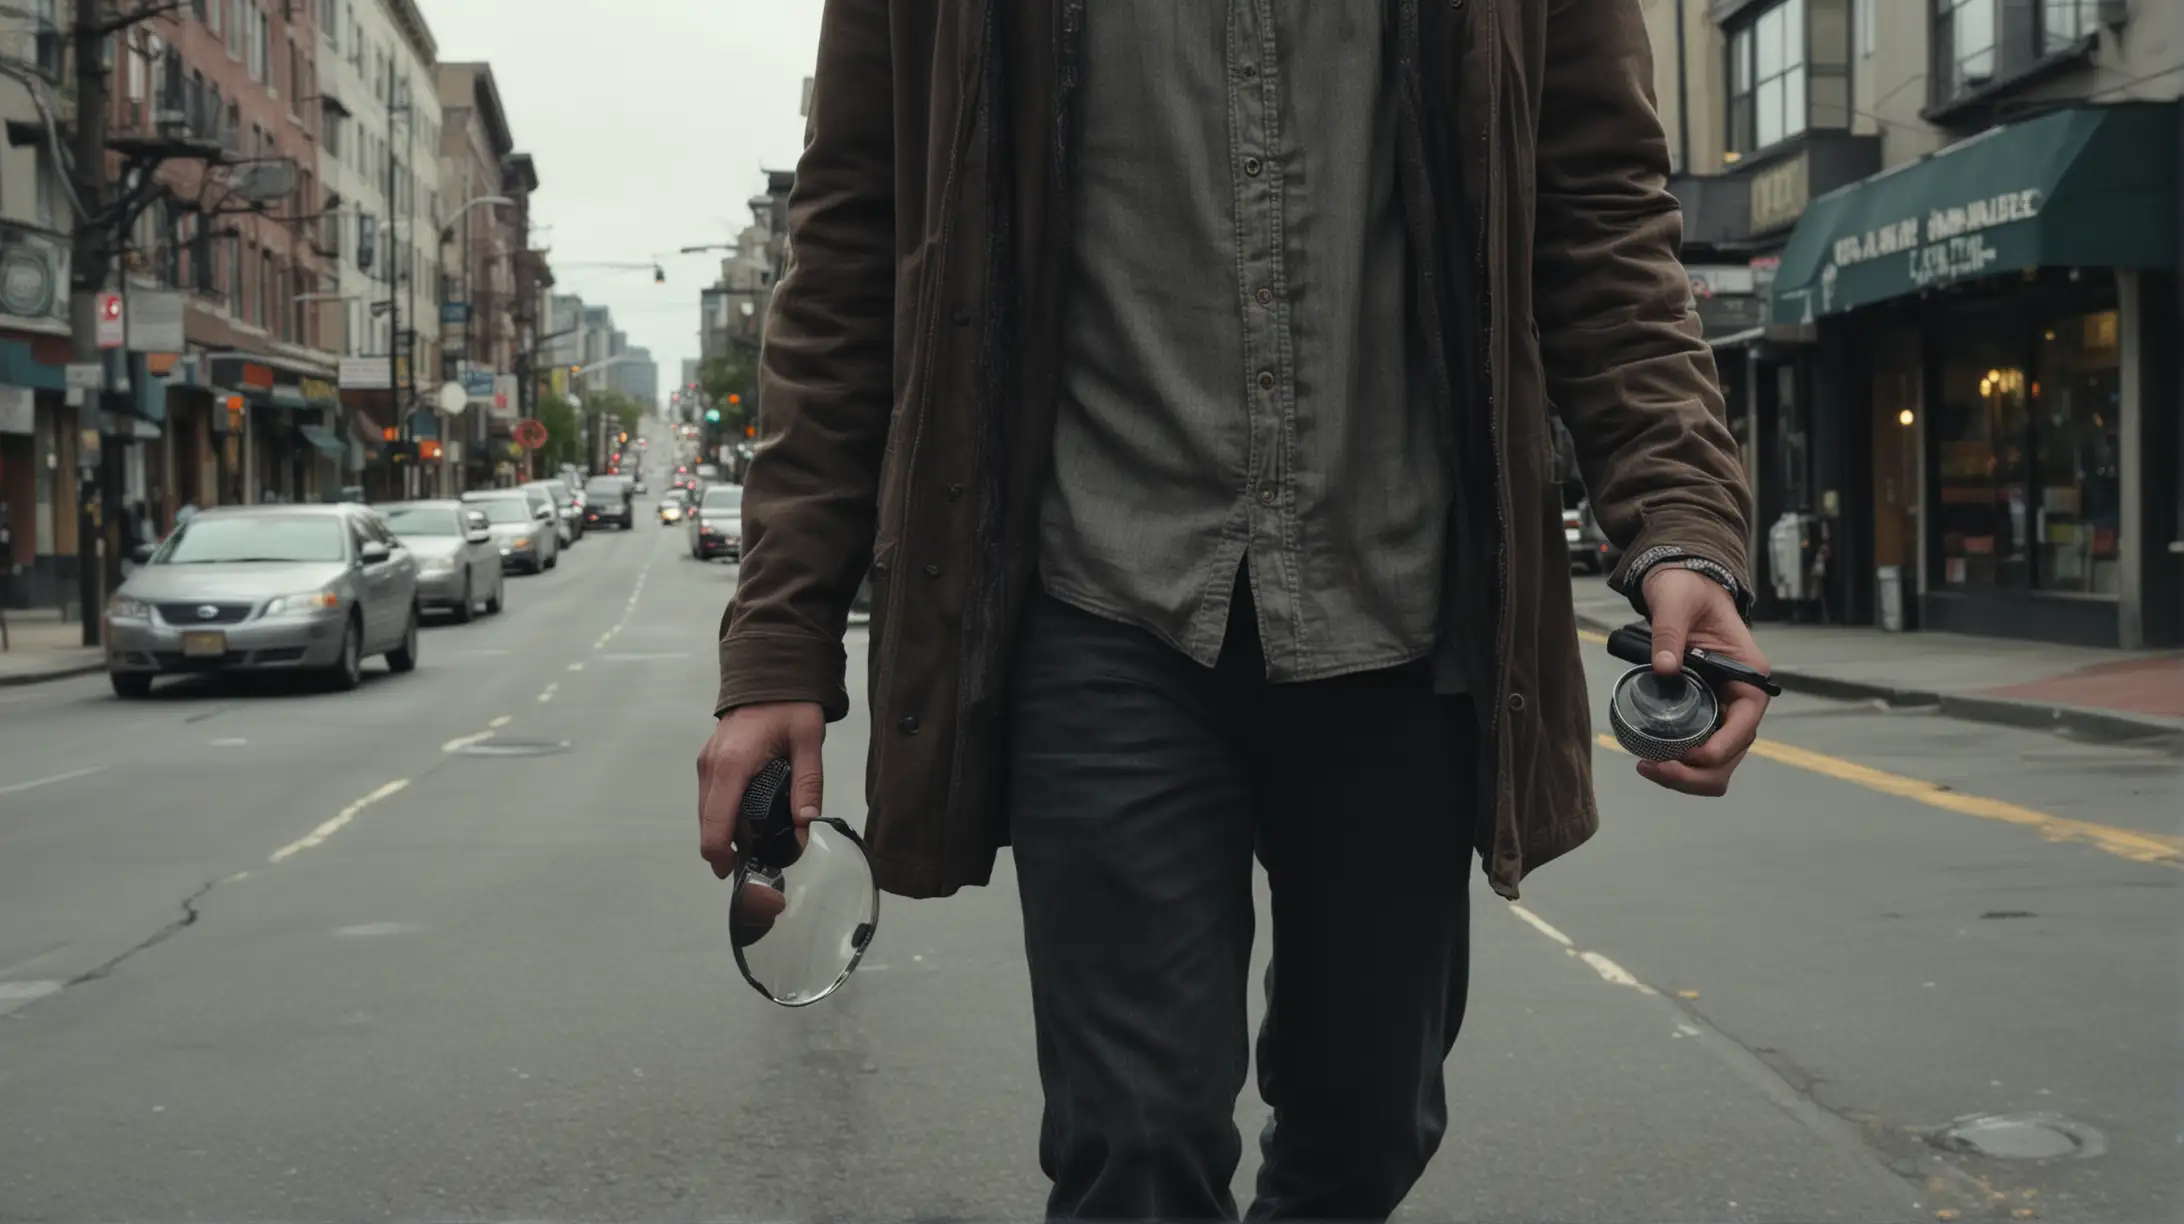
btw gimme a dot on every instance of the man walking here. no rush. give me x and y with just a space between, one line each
1179 375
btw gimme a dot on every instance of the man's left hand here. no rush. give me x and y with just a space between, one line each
1690 609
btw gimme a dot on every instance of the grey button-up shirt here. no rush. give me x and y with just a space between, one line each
1241 383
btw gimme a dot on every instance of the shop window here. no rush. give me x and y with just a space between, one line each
2077 400
2027 454
1979 440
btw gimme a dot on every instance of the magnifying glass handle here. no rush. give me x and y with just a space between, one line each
766 813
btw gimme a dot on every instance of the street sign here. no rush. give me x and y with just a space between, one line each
112 333
155 320
531 433
86 375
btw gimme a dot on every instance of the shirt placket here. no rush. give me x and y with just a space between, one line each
1256 82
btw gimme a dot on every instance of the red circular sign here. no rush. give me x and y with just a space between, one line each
531 433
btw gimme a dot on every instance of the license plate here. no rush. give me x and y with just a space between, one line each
204 644
1570 534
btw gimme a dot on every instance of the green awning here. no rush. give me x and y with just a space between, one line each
285 397
2089 187
323 439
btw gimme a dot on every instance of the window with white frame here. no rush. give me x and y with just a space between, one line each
1978 43
1768 98
1869 33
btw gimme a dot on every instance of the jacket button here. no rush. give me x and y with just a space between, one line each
955 492
1252 166
879 569
932 571
1516 702
1266 381
909 724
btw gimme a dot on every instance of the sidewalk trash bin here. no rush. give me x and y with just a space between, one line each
1891 597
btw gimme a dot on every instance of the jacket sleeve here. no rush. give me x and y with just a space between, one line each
1625 361
825 385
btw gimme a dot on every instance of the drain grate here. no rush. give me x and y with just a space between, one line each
2022 1136
513 748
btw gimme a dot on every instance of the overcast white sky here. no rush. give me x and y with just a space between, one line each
652 122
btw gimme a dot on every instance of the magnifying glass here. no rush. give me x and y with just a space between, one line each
1660 718
804 906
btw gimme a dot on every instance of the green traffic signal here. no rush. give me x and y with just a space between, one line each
712 414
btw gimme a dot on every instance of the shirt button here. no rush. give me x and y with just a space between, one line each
1265 296
955 491
932 571
1250 71
1516 702
879 569
1252 166
909 724
1266 381
1267 494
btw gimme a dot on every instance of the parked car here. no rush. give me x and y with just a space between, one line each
716 523
568 523
609 499
523 530
673 507
458 560
266 588
1589 547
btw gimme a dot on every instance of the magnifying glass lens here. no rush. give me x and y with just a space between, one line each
800 931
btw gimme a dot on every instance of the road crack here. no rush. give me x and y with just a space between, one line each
188 918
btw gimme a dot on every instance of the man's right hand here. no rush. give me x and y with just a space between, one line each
745 739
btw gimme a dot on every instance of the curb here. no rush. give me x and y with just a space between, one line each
2077 722
68 671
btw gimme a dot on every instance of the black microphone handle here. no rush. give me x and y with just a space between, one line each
1633 643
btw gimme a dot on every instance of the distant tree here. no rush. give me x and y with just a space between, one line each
730 383
564 432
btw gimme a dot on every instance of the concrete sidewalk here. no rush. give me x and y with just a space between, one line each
2113 696
41 646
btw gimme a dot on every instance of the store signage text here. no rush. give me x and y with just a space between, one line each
1779 194
317 389
1949 244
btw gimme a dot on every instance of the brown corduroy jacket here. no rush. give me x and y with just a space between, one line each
907 380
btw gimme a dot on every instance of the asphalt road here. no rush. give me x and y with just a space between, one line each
278 955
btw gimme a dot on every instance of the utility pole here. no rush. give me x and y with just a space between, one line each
394 288
89 259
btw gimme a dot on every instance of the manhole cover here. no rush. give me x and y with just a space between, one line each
2027 1136
514 748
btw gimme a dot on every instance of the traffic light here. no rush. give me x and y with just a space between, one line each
659 275
712 414
733 398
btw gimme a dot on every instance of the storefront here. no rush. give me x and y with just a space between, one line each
1735 226
37 472
1998 324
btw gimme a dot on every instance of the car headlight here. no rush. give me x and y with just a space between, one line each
307 601
121 607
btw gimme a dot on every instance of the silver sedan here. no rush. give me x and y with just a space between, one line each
258 588
458 560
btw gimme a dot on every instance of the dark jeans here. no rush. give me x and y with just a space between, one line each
1142 785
